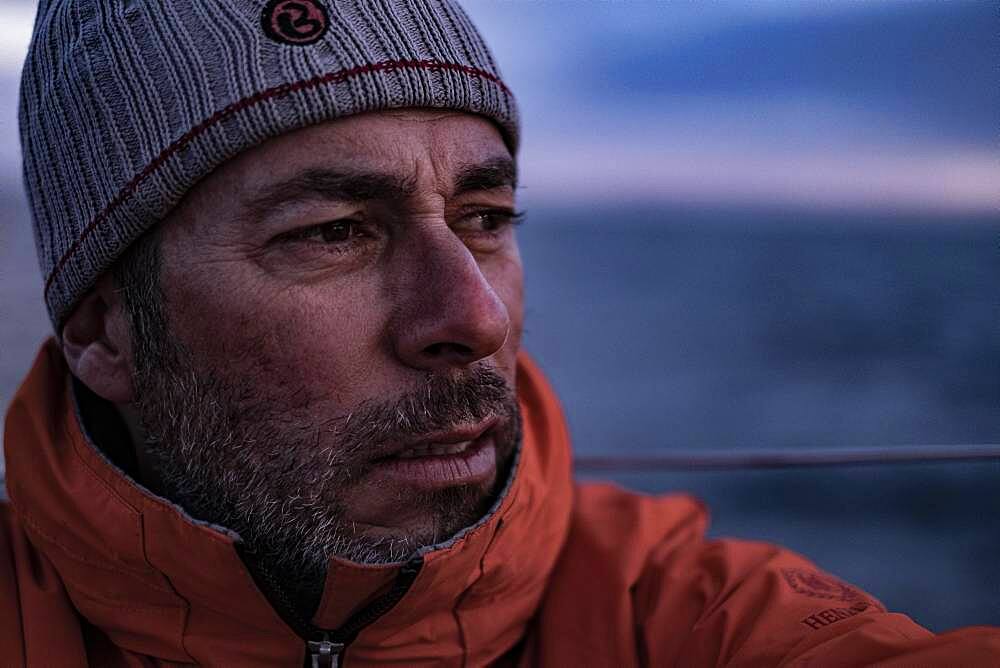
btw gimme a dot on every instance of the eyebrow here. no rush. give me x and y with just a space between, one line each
331 185
494 173
325 184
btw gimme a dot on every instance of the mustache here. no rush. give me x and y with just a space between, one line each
376 427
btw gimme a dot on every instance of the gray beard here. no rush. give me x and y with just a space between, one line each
264 467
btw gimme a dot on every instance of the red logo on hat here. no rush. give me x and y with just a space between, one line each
298 22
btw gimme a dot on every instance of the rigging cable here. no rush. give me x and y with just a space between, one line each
719 460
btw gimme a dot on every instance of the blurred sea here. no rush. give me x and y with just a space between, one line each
695 328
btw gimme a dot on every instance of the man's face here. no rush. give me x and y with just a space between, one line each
343 308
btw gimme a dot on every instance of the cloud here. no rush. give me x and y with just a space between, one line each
939 181
931 64
17 19
849 104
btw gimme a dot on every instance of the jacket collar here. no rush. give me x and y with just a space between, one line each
159 583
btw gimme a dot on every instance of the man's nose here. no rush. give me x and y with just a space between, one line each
448 314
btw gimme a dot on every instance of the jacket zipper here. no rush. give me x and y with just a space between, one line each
324 654
325 648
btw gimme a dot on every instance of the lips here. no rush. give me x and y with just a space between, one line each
434 450
460 456
443 443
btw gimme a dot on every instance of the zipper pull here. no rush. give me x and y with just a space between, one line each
325 654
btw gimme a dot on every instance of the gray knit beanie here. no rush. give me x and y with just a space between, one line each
126 104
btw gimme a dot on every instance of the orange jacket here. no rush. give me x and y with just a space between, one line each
95 570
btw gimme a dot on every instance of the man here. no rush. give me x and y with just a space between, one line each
287 420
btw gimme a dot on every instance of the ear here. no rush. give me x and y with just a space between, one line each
96 342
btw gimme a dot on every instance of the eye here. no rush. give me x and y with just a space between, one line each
333 232
493 220
337 231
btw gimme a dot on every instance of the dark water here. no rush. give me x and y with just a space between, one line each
733 329
714 329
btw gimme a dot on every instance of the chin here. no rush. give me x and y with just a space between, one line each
425 518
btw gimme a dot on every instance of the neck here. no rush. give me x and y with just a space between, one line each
146 473
106 428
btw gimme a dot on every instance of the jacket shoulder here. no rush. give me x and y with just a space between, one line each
587 615
623 529
638 583
744 604
37 620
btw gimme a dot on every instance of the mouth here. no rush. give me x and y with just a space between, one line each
459 456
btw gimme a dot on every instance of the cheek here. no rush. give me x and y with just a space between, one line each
294 343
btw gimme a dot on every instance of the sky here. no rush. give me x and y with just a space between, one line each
832 104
